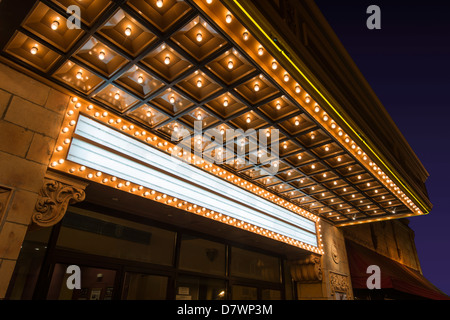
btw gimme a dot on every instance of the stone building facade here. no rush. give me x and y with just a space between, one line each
43 205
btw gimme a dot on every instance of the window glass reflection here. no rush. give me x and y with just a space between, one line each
192 288
201 255
108 236
254 265
138 286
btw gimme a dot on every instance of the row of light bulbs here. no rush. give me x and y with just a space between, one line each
286 78
55 25
102 55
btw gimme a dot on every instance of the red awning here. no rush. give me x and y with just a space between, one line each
394 275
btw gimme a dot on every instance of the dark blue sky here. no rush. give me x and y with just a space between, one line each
407 63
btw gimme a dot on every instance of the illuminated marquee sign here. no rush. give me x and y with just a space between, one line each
106 150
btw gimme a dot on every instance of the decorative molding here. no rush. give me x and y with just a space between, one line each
56 194
340 286
307 270
335 253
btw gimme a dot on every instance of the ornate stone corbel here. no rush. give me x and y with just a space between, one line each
55 196
307 270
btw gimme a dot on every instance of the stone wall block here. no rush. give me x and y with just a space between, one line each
11 239
14 139
34 117
21 85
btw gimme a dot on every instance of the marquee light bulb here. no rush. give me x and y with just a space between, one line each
208 1
256 87
117 96
101 55
172 99
79 75
167 60
199 83
248 119
278 106
297 89
228 18
230 64
245 35
128 31
199 37
225 102
286 78
140 79
199 116
307 99
55 25
159 3
260 51
34 50
274 65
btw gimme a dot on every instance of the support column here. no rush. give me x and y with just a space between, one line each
325 277
31 114
56 194
307 274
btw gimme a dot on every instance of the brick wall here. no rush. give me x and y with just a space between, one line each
31 114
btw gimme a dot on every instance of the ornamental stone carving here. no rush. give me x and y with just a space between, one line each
57 193
340 285
307 270
334 253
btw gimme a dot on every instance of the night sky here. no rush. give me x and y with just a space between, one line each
407 63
